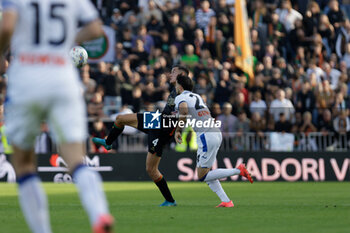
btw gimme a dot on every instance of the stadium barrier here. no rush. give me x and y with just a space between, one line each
264 166
269 141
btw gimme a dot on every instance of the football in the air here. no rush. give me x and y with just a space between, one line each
79 56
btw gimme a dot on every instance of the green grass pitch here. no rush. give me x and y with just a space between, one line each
259 207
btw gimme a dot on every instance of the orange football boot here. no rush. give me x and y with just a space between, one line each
244 172
104 224
226 204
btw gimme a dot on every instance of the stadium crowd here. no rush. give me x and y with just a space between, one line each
301 63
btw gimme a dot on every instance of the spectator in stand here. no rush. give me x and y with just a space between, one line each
242 125
313 68
343 88
287 15
276 82
346 56
340 104
147 40
257 124
281 105
224 88
324 95
116 20
221 7
179 40
282 124
306 100
126 40
325 123
138 54
203 15
151 10
172 22
199 41
174 56
307 125
306 128
332 75
271 52
239 104
311 18
277 33
300 58
343 39
203 87
225 25
341 125
220 44
190 59
258 105
95 106
154 29
298 122
326 30
228 120
335 14
215 110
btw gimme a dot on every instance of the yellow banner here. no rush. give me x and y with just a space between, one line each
244 58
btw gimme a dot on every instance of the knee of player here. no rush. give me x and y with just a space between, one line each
202 178
150 169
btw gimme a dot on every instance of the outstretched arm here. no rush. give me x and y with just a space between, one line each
90 31
8 24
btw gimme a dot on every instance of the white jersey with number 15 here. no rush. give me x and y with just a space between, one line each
46 29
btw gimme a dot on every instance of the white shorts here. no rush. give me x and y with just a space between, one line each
208 146
55 97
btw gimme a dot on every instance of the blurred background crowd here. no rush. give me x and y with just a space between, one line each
301 54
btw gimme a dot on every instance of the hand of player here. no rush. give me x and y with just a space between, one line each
178 137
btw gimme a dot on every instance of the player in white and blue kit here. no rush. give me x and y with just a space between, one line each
43 85
191 108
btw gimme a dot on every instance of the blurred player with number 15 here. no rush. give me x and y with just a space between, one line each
44 86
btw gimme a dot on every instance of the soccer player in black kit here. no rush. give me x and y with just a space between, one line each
157 138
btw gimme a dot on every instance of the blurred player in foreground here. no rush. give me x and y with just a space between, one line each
44 86
157 138
209 138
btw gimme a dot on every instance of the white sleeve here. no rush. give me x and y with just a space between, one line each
86 11
178 100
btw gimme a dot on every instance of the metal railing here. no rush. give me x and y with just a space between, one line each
315 141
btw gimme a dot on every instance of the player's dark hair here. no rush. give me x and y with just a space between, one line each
183 69
185 82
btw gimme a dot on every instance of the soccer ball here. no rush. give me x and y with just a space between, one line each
79 56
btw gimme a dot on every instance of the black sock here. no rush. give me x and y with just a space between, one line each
113 134
163 187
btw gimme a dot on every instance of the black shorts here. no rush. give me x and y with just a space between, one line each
157 138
